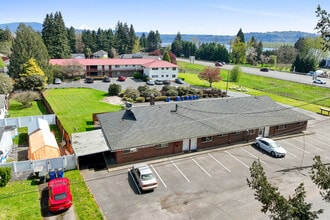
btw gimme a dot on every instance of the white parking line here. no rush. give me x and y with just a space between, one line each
219 162
135 183
237 159
253 155
158 176
180 171
298 148
287 152
200 167
304 142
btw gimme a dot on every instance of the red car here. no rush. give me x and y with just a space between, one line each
121 78
59 195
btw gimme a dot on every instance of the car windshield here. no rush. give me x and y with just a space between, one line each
147 176
275 145
60 196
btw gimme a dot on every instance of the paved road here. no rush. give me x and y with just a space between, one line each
274 74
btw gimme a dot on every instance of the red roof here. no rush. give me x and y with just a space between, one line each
89 62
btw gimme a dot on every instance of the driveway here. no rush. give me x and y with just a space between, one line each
211 184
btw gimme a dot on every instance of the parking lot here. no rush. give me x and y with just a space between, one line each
212 184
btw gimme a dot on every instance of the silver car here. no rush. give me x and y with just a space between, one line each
270 146
144 177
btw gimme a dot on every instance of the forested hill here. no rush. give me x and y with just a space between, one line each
271 37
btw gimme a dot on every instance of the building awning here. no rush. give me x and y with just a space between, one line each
89 142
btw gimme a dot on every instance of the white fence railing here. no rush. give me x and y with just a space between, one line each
23 121
22 169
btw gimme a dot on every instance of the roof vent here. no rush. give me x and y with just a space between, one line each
128 105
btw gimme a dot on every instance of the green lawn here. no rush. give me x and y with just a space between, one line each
20 200
75 107
309 97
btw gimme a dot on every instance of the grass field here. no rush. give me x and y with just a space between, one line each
308 97
75 107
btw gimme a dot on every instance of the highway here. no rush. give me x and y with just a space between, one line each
294 77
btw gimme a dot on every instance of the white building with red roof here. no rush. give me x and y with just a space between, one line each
98 68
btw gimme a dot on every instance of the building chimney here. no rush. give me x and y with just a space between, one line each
152 99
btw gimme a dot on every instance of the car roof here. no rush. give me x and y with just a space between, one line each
59 185
143 168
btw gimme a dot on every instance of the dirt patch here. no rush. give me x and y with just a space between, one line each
115 100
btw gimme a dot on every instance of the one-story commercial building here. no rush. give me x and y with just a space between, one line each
98 68
142 132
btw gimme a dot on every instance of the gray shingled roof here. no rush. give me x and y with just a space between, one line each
160 123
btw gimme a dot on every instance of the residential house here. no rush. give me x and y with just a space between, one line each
142 132
101 54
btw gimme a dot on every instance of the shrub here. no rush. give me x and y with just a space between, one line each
160 98
26 98
131 93
5 176
137 75
114 89
172 92
141 99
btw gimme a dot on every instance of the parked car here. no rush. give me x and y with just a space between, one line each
319 81
89 80
179 81
310 73
57 81
166 82
121 78
151 82
264 69
106 79
270 146
158 82
144 177
218 64
59 194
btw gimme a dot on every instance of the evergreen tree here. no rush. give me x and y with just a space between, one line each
27 44
158 40
143 42
72 39
166 57
240 34
176 47
131 39
151 41
178 37
122 38
55 36
238 51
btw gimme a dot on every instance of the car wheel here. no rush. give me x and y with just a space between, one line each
273 153
257 145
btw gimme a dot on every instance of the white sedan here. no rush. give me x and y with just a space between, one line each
270 146
319 81
144 177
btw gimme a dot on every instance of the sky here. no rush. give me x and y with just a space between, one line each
209 17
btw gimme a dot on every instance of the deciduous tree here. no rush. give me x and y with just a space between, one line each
210 74
6 84
273 202
323 26
320 175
